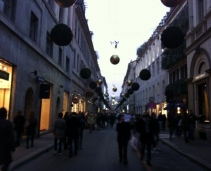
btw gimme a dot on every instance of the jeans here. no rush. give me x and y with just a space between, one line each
60 144
71 140
27 140
191 131
149 146
80 140
155 140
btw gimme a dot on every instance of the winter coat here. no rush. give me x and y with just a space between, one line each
59 128
123 131
19 123
7 142
73 127
31 128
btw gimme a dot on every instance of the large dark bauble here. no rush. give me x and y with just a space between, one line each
130 91
65 3
172 37
85 73
98 89
114 59
61 34
135 86
89 93
145 74
114 89
171 3
127 95
92 84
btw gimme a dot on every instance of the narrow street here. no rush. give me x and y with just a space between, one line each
100 153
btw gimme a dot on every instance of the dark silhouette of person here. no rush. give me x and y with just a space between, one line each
73 127
123 136
18 126
30 125
146 127
7 140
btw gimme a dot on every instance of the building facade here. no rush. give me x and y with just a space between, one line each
31 62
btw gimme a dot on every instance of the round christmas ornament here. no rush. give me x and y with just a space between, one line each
65 3
114 59
127 95
129 83
92 84
106 95
145 74
135 86
98 89
89 93
99 82
130 91
172 37
122 95
171 3
85 73
61 34
114 89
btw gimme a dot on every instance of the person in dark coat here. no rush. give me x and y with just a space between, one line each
30 125
59 133
156 130
81 130
123 136
73 128
146 129
18 126
7 140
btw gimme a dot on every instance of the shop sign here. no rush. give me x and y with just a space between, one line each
151 105
4 75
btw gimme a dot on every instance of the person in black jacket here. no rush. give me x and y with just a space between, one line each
146 128
123 136
73 128
18 126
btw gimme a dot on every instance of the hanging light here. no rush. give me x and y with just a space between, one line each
114 89
99 82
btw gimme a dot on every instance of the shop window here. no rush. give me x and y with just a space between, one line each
203 103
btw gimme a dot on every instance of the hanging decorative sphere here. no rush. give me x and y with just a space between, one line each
61 35
85 73
99 82
114 89
114 59
98 90
171 3
135 86
89 93
127 95
145 74
106 94
130 91
92 84
65 3
172 37
129 83
122 95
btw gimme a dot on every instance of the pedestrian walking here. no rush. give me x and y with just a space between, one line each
192 124
65 140
91 122
81 130
7 140
132 123
156 130
145 128
185 126
73 128
18 126
59 131
30 126
123 136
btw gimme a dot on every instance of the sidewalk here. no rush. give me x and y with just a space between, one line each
42 144
198 151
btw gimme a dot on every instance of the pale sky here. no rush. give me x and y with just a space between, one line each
131 23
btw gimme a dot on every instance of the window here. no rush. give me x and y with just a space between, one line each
76 26
78 62
177 74
202 68
8 8
74 58
158 67
33 27
183 71
200 10
163 86
61 14
49 45
60 57
67 64
158 89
